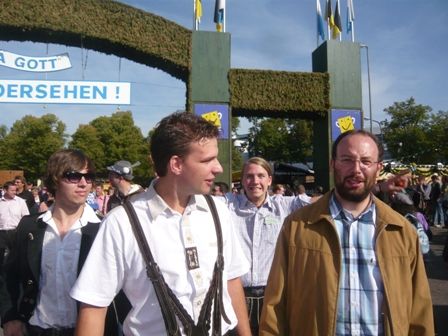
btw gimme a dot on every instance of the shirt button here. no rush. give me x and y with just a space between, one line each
29 282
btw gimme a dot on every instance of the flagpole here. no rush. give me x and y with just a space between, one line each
353 31
340 20
317 30
327 17
224 18
195 22
351 18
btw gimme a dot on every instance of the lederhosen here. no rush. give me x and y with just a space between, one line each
169 304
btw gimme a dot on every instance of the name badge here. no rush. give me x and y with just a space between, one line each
269 220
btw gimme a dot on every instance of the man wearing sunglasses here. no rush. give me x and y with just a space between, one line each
49 251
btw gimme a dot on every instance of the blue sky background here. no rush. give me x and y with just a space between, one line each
407 42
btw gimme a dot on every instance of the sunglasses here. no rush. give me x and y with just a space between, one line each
75 177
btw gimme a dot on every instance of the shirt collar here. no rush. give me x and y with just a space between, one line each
157 205
246 203
6 200
338 212
88 215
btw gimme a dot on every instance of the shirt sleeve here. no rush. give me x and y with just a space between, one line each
235 262
103 272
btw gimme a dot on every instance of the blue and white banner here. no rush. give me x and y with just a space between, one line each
35 64
65 92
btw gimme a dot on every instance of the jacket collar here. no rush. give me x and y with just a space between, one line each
320 210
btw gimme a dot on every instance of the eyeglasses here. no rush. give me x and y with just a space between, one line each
363 163
75 177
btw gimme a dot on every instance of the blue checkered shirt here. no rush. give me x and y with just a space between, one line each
360 285
258 230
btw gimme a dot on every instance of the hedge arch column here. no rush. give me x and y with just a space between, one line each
341 59
209 89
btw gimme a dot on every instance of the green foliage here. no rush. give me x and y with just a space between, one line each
102 25
111 138
30 142
439 136
414 135
115 28
237 158
281 140
278 93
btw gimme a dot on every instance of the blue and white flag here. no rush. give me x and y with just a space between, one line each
350 15
220 6
320 22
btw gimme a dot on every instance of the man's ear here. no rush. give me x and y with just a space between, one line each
175 165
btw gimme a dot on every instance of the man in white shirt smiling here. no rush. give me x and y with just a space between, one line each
179 228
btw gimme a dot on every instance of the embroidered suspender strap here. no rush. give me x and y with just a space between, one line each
168 301
219 267
153 272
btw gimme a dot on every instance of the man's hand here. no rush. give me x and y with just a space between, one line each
14 328
395 183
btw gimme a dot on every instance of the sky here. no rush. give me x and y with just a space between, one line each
406 39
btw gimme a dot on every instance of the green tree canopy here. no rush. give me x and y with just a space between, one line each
439 136
111 138
30 143
281 140
407 134
237 158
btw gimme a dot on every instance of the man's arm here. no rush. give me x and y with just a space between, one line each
236 293
421 313
91 320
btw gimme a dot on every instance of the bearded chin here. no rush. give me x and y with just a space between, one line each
356 196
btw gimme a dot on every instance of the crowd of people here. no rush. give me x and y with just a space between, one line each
171 259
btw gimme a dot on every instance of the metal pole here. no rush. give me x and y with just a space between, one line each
368 80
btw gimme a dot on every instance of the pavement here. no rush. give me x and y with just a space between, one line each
437 272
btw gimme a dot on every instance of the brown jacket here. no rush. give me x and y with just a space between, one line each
302 291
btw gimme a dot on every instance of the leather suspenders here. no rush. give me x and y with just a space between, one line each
169 303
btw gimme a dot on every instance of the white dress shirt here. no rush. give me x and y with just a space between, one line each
115 260
11 211
59 268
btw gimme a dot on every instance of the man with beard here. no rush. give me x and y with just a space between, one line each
348 264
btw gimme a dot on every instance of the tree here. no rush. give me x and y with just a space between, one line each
30 142
407 134
237 159
438 136
281 140
111 138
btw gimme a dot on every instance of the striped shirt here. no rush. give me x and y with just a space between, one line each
258 230
360 286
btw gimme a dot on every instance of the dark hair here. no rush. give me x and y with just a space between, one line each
224 187
174 136
63 161
8 184
403 209
334 147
